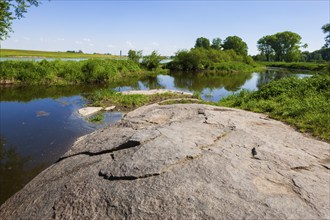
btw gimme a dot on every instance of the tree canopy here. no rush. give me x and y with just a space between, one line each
284 46
326 30
264 45
202 42
235 43
216 44
11 10
135 55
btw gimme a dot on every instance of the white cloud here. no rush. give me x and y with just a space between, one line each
60 39
92 45
87 39
111 46
79 42
26 38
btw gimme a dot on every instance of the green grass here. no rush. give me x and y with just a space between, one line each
49 54
318 67
234 66
98 118
69 72
107 97
304 103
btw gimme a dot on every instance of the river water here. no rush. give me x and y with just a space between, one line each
39 123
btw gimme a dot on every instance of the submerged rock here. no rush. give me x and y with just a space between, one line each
187 161
89 110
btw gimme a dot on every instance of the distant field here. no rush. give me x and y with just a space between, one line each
49 54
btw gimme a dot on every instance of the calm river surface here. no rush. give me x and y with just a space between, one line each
39 123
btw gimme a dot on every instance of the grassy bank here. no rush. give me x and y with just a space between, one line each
50 54
304 103
107 97
318 67
69 72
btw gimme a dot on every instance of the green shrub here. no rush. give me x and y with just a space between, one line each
59 72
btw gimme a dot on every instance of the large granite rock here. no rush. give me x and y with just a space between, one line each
183 162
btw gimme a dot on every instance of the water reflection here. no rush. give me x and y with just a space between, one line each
198 82
14 171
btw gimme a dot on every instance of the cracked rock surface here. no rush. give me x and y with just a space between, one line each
186 161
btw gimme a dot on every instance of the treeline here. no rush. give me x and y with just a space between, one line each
68 72
227 56
287 47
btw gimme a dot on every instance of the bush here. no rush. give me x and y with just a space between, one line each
198 59
59 72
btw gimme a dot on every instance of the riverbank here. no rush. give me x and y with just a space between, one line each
316 67
71 72
303 103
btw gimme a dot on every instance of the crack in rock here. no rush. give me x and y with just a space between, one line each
126 145
297 189
127 178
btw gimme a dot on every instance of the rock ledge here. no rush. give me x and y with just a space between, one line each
187 161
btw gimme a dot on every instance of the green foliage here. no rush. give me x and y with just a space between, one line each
235 43
11 10
326 30
282 46
216 43
98 118
68 72
198 59
106 97
102 96
318 67
304 103
264 46
152 61
202 42
135 55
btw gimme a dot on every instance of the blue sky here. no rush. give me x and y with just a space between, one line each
164 26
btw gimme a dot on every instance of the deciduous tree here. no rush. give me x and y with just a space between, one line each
135 55
216 43
202 42
284 45
264 45
152 61
235 43
326 30
11 10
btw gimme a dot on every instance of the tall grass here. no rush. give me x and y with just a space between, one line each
68 72
320 67
304 103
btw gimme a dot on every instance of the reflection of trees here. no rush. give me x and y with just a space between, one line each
13 171
268 76
200 81
151 82
28 93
